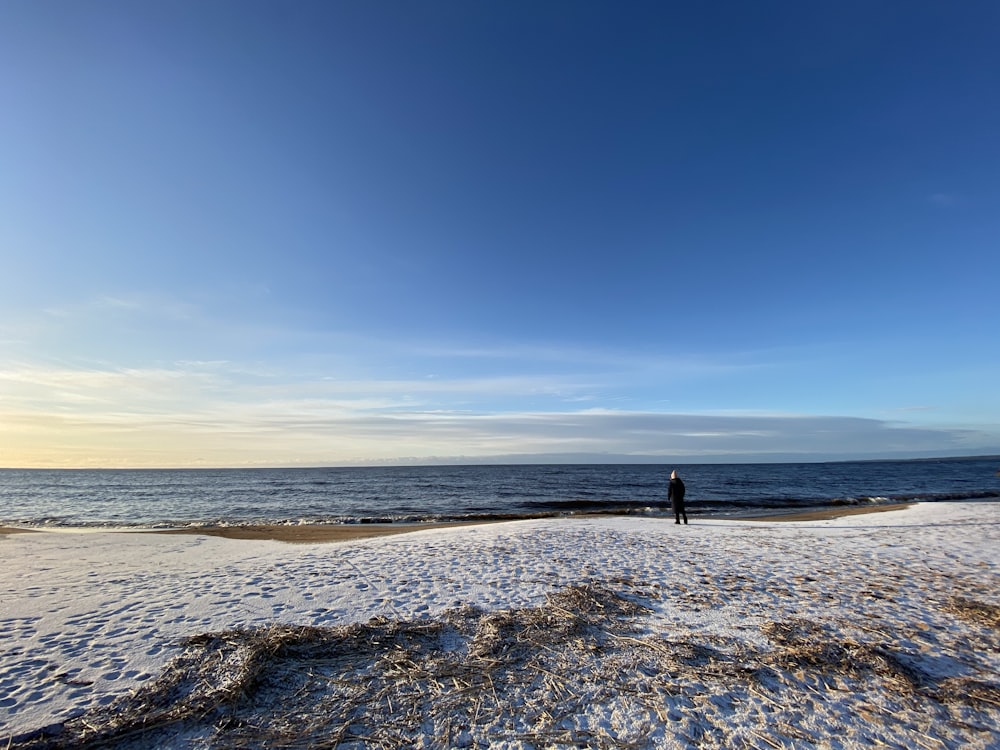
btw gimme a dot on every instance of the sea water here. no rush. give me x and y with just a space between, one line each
167 498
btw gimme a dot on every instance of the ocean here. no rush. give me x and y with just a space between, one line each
165 498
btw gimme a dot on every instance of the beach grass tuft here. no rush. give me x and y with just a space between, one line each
579 670
975 611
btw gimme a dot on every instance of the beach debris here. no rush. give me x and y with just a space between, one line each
975 611
579 670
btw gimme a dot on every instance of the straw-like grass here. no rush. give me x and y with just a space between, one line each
807 645
376 684
975 611
576 671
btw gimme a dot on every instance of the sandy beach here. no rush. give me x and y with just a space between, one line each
324 533
844 630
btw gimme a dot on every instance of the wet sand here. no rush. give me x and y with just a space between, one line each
322 533
311 534
828 514
305 534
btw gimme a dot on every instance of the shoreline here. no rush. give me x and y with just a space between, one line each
332 533
825 514
319 533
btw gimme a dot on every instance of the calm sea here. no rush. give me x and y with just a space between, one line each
161 498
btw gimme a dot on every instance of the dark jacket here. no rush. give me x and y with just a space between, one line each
675 493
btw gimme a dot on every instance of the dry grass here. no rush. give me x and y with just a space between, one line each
804 644
573 672
377 684
976 612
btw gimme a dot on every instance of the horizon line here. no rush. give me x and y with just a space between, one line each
539 460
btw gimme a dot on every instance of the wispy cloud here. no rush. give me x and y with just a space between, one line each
593 358
196 398
104 306
943 199
200 415
196 385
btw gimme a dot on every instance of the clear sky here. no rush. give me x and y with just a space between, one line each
279 233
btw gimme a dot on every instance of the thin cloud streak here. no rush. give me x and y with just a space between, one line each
331 433
119 324
590 357
313 409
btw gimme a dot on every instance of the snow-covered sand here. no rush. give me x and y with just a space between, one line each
85 617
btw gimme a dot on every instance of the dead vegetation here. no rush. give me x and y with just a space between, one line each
974 611
803 644
563 674
378 684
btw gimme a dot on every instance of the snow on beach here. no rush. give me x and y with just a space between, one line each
604 632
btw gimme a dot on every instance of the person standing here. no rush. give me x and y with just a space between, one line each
675 494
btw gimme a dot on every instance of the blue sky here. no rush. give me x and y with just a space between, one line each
263 233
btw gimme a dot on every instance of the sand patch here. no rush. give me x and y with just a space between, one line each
828 514
313 533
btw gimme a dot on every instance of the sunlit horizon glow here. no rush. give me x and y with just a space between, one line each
214 414
324 235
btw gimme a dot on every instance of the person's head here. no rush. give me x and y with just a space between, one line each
673 474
